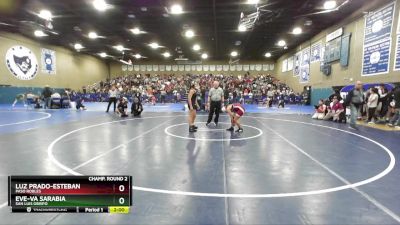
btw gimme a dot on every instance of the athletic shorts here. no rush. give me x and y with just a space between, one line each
238 110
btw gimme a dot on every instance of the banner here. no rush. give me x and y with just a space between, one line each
305 56
271 66
290 63
296 59
316 52
212 67
48 61
304 74
284 65
377 41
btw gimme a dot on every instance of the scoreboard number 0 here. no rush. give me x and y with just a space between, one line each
121 201
121 188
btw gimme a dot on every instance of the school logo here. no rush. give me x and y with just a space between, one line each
21 62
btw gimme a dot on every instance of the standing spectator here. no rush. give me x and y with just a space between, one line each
395 121
112 97
46 93
372 104
383 99
355 100
163 94
215 100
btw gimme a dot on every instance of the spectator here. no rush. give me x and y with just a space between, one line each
383 101
372 104
320 110
334 110
46 94
395 121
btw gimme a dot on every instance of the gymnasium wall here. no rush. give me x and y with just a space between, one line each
341 76
116 68
73 70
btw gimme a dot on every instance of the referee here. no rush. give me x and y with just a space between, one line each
215 99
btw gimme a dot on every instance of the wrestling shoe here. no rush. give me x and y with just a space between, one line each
230 129
240 130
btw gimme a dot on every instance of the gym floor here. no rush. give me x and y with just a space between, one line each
285 168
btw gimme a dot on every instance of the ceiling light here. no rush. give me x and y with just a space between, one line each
136 31
281 43
297 31
119 48
100 5
78 46
204 56
176 9
166 54
242 28
253 1
328 5
234 54
154 45
196 47
103 54
138 56
39 33
285 47
45 14
268 54
92 35
189 33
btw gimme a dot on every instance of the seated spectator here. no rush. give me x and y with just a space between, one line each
55 100
320 110
334 110
122 108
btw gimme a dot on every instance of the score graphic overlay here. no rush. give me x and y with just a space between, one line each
70 194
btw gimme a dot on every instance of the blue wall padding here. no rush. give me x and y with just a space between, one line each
8 94
318 93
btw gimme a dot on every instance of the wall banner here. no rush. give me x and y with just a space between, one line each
284 65
316 52
304 74
296 68
48 59
290 63
377 41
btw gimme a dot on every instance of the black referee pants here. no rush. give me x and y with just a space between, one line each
215 107
111 100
